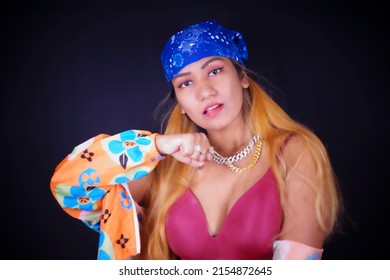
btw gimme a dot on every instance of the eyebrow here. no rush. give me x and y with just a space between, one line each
209 61
181 75
202 67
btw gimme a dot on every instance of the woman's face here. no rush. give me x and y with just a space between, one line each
210 92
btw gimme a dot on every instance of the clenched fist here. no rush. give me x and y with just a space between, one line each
189 148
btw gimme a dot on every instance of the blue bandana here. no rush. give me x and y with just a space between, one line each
199 41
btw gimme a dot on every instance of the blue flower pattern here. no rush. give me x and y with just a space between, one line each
105 251
83 196
126 201
128 146
87 181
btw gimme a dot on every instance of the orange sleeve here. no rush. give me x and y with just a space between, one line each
89 184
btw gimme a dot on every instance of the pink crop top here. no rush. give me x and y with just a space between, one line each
248 232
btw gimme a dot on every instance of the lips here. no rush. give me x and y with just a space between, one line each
212 109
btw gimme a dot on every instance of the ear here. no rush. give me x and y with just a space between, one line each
182 111
244 80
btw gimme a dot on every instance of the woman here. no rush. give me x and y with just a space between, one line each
231 177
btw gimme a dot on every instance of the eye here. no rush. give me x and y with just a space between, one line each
215 71
185 84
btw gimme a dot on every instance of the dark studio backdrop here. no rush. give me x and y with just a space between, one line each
72 70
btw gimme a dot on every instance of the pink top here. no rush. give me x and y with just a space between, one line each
248 232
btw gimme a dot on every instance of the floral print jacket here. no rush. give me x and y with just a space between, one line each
90 185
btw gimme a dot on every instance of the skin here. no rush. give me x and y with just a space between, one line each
213 82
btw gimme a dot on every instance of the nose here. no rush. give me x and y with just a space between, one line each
206 89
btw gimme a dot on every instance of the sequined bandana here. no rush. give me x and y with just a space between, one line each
198 41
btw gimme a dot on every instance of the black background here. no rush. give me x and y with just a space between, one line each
72 70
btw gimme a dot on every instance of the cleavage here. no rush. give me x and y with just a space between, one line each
217 194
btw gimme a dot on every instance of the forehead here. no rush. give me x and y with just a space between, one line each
202 63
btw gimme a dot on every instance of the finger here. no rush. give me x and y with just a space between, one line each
190 144
196 156
204 154
196 163
194 142
197 159
202 158
209 156
186 150
195 145
198 148
202 151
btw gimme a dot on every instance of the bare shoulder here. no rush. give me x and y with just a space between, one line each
297 154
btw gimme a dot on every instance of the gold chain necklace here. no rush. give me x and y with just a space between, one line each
255 158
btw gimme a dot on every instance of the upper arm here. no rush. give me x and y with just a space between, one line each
300 220
138 188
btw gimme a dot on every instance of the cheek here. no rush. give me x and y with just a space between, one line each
191 108
234 92
237 101
186 104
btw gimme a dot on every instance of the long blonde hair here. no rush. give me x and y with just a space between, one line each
269 120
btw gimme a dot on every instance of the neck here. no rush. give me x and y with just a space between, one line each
230 141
